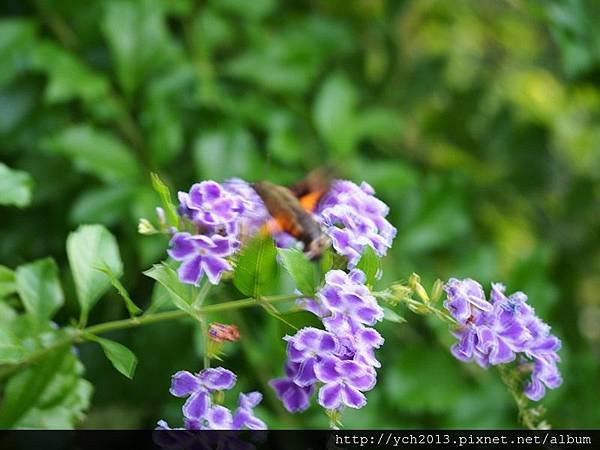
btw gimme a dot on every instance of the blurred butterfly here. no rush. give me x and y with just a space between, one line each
291 209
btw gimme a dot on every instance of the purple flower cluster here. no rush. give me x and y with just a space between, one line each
199 411
340 358
502 330
220 214
355 218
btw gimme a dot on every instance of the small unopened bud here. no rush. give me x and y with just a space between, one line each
218 397
401 292
437 290
218 334
146 228
162 218
422 293
413 280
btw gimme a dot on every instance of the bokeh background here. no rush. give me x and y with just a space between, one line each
478 122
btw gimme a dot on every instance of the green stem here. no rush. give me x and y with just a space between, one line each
79 335
511 383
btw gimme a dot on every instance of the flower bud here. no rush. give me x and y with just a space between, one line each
437 290
146 228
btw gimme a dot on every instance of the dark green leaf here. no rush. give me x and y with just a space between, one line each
39 288
120 356
89 247
95 152
15 187
16 42
7 282
256 267
303 271
114 280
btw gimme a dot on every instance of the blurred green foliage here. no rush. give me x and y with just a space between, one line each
478 122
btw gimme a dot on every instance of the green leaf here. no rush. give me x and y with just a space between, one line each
39 288
89 247
114 280
226 153
8 285
24 389
120 356
370 264
165 196
95 152
15 187
105 205
256 266
17 37
334 114
69 77
11 350
303 271
138 39
392 316
181 294
49 394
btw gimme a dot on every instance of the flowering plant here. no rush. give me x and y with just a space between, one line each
217 233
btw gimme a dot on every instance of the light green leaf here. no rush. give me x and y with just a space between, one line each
15 187
8 285
334 114
221 154
370 264
120 356
304 272
114 280
138 39
95 152
24 389
105 205
39 288
165 196
181 294
11 350
87 248
392 316
256 267
49 395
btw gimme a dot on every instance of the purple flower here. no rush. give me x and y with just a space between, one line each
211 208
354 219
200 413
348 300
244 416
344 380
201 255
295 398
341 358
499 331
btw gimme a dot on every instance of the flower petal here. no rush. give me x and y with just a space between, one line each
196 405
330 396
184 383
191 270
217 379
